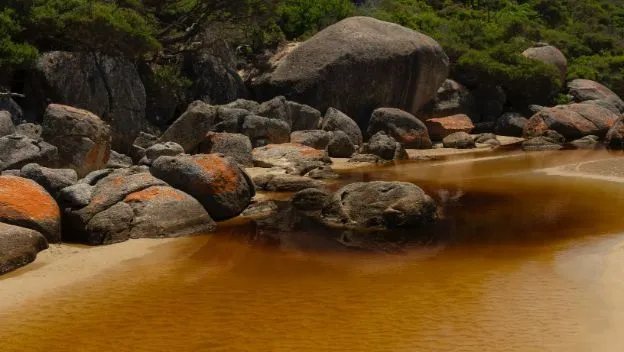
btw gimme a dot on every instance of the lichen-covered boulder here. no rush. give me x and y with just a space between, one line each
83 139
217 182
441 127
25 203
235 145
356 65
18 246
404 127
18 150
572 121
294 158
585 90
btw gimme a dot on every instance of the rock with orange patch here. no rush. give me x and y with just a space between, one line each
24 203
82 138
163 211
217 182
572 121
444 126
18 246
404 127
294 158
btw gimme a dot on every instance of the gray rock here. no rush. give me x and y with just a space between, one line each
322 173
235 145
459 140
317 139
53 180
13 172
29 130
118 161
385 147
161 149
6 124
276 108
284 182
452 98
190 129
19 246
490 102
303 117
310 199
109 226
8 104
17 151
511 124
340 145
142 142
76 196
549 55
484 138
249 105
549 140
404 127
83 139
94 177
260 210
294 158
225 113
335 120
262 131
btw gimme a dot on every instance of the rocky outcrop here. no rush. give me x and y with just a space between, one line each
108 87
385 147
335 120
18 246
17 150
459 140
317 139
26 204
356 65
441 127
294 158
584 90
235 145
82 139
452 98
572 121
511 124
615 136
549 55
217 182
190 129
400 125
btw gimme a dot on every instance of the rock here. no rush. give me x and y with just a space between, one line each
322 173
458 140
82 139
604 104
583 90
13 172
263 131
249 105
18 247
6 124
317 139
385 205
294 158
441 127
340 145
111 225
24 203
142 142
484 138
285 182
161 149
76 196
587 142
366 158
260 210
276 108
404 127
335 120
333 67
549 55
17 151
615 136
452 98
310 199
166 212
109 87
29 130
303 117
235 145
53 180
9 105
215 181
94 177
511 124
385 147
190 129
118 161
225 113
549 140
572 121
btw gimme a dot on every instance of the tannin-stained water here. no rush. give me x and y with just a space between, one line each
526 262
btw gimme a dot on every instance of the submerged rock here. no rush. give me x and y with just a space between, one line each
294 158
285 182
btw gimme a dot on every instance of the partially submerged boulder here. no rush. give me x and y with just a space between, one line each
18 246
404 127
572 121
234 145
294 158
441 127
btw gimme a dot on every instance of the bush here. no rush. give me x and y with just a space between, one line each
302 18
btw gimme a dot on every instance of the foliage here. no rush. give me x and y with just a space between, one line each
608 70
302 18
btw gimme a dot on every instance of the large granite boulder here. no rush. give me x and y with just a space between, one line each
549 55
109 87
217 182
83 139
234 145
25 203
18 246
441 127
452 98
335 120
18 150
190 129
294 158
402 126
356 65
572 121
584 90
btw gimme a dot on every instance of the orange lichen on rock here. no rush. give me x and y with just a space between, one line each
153 193
21 198
224 176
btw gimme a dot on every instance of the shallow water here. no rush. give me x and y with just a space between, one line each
527 262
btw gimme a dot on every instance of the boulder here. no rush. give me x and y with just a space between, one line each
276 108
385 205
310 199
317 139
357 64
235 145
303 117
340 146
458 140
385 147
118 161
511 124
190 129
142 142
278 182
441 127
19 246
452 98
294 158
29 130
14 110
335 120
583 90
18 150
109 87
402 126
161 149
6 124
24 203
549 55
217 182
615 136
572 121
83 139
259 129
53 180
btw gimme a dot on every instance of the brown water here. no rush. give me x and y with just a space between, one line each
528 262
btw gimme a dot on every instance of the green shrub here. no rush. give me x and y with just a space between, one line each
302 18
